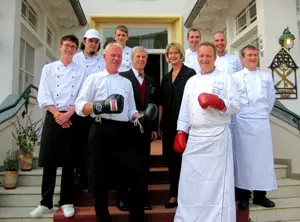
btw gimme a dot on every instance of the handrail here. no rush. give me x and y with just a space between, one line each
281 112
25 95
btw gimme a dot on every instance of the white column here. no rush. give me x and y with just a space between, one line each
9 46
273 17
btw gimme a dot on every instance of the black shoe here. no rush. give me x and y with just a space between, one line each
171 205
122 206
147 207
243 205
265 203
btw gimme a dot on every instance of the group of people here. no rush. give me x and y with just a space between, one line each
102 115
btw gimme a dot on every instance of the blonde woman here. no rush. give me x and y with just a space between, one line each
171 92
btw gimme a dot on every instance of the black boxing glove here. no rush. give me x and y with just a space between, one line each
113 104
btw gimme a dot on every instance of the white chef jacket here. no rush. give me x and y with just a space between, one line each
191 60
253 148
206 185
59 85
126 60
99 86
90 64
228 63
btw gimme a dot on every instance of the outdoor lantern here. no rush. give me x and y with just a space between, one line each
286 40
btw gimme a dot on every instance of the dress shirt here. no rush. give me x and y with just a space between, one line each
228 64
99 86
126 60
59 85
257 93
90 64
191 60
138 76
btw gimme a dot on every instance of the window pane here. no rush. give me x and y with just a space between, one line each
32 19
150 38
21 55
24 9
242 22
29 59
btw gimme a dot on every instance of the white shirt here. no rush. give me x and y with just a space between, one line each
257 93
228 63
137 75
126 60
99 86
208 121
191 60
90 64
59 85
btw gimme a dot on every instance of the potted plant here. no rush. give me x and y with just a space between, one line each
11 166
27 136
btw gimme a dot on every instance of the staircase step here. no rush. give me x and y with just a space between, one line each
286 209
158 194
21 214
87 214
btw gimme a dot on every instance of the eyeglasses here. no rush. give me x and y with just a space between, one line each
73 47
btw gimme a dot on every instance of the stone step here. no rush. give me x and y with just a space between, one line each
158 175
286 210
158 194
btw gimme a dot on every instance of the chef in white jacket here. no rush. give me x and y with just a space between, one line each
253 149
206 186
191 54
225 62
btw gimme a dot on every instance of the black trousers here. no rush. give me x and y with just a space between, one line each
244 195
66 187
115 165
83 164
173 161
144 146
58 148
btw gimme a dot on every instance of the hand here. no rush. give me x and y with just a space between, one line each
210 100
62 118
153 135
180 142
67 124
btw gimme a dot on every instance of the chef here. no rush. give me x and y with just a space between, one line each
191 54
121 37
115 158
206 186
253 149
91 61
225 62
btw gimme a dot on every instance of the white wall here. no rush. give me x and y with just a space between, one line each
9 46
273 17
286 140
136 7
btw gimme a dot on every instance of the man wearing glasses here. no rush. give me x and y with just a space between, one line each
58 89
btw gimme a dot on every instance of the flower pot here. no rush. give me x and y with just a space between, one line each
26 161
10 179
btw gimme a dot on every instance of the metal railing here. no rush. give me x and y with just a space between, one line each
281 112
25 96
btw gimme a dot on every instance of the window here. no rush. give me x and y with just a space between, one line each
30 15
49 37
26 70
150 38
246 17
298 5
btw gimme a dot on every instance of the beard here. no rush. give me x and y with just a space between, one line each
91 53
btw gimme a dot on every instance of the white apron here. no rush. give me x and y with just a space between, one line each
206 185
254 162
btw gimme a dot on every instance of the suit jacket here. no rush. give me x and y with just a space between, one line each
150 95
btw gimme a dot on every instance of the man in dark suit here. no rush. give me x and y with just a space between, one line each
144 93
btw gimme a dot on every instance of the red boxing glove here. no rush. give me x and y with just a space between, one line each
180 142
210 100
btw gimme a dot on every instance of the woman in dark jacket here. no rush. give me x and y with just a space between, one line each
171 92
